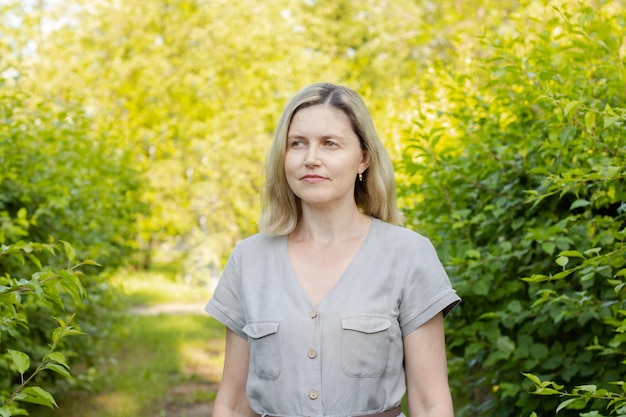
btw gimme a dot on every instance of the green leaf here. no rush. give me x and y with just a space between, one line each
12 410
590 120
17 246
19 257
610 120
58 369
36 395
548 247
28 248
539 350
591 388
567 134
35 260
571 402
562 260
22 213
515 306
562 274
91 262
592 251
20 360
579 203
472 349
535 379
480 288
571 254
587 277
73 332
546 391
570 106
535 278
50 248
58 357
69 250
609 110
505 343
61 321
72 283
61 332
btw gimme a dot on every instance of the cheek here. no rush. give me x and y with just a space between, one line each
289 163
291 169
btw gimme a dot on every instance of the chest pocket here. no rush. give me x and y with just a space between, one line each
264 348
365 345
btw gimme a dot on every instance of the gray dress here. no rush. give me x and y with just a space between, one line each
343 357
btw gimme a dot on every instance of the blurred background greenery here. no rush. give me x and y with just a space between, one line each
136 130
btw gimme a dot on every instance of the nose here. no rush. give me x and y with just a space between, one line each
312 157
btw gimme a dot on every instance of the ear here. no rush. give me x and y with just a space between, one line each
365 162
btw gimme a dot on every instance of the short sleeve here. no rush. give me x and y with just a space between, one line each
427 290
226 305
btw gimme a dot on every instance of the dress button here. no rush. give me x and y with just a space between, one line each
313 313
312 353
313 394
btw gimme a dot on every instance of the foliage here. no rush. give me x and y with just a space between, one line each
580 396
194 92
58 177
521 173
143 124
56 289
175 97
58 174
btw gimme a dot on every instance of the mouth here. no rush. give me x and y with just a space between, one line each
313 178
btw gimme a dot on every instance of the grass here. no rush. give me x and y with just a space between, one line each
144 288
164 365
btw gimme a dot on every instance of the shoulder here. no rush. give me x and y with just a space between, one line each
399 236
408 245
256 243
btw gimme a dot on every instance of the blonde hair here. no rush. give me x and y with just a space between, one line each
375 195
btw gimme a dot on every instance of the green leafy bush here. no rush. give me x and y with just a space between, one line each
57 289
58 177
521 174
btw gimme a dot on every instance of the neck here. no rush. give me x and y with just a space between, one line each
331 226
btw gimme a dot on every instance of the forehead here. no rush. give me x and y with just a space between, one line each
320 118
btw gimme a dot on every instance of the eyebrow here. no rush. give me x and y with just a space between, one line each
328 136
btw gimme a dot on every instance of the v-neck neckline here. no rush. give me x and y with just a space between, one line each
349 271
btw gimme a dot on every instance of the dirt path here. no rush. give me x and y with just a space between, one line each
180 398
182 408
169 308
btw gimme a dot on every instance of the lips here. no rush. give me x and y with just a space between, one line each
313 178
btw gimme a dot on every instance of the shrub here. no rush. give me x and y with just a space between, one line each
521 174
58 177
56 289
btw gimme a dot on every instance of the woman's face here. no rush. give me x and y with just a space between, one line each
324 157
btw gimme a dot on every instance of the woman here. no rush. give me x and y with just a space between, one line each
333 309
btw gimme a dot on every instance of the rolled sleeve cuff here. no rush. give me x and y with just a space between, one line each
220 313
445 303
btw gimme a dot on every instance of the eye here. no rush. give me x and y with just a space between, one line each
296 143
330 144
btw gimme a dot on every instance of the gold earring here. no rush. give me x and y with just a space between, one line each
360 177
